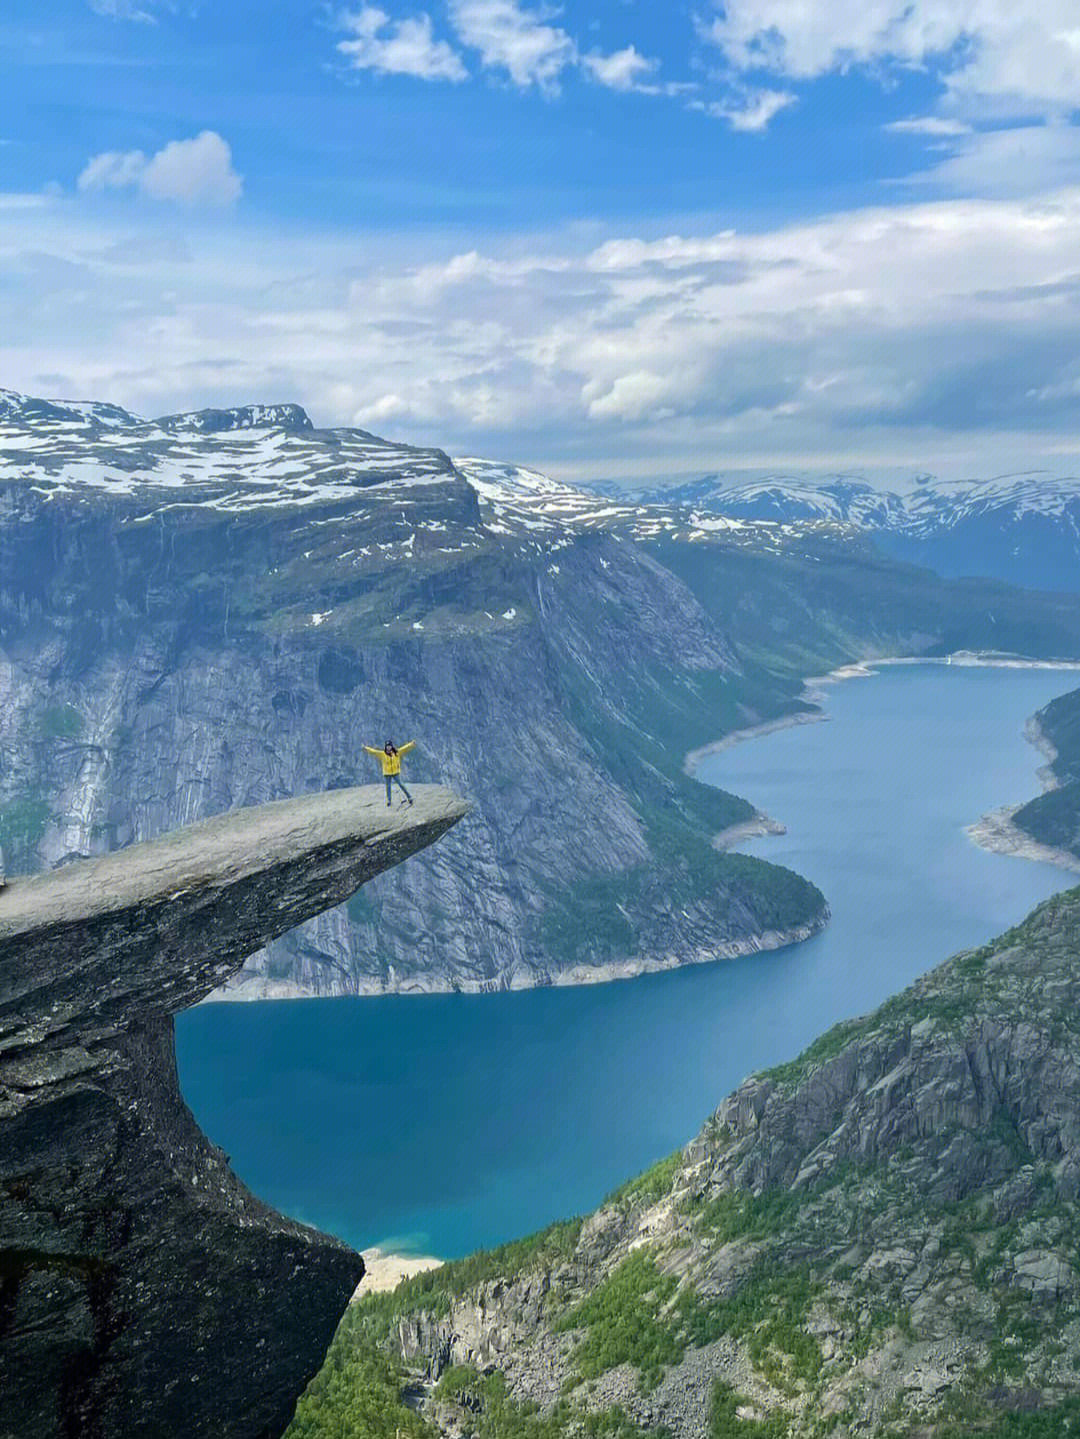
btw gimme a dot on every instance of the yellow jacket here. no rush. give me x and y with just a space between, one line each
391 763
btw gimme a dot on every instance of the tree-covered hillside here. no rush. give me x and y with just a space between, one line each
878 1238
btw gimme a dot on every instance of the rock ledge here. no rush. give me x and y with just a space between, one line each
143 1290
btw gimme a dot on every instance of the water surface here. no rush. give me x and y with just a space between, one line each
444 1123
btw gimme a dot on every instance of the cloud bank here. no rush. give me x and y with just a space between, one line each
910 331
994 59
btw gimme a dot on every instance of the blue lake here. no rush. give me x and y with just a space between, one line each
444 1123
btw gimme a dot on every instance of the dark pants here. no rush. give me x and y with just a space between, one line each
390 779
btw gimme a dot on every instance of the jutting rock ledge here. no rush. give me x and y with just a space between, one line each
143 1290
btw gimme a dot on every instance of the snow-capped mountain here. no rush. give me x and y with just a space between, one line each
1023 528
256 457
237 459
526 497
222 608
787 500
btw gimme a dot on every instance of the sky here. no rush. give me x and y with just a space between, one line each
625 240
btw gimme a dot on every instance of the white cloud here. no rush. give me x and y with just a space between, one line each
193 172
113 170
400 47
18 200
516 40
751 112
511 39
639 395
935 125
1022 160
998 57
907 332
622 70
130 9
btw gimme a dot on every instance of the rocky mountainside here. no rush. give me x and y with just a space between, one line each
1024 529
878 1238
143 1290
1053 819
220 609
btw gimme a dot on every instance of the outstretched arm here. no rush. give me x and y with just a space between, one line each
405 748
371 750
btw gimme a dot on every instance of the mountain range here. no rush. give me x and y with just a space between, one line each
1021 528
221 608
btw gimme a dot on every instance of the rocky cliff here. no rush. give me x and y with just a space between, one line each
219 609
878 1238
143 1290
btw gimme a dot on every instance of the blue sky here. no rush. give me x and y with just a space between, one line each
621 238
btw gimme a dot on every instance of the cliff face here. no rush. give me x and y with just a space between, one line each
198 626
143 1289
219 609
878 1238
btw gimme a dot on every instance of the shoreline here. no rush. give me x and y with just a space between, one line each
996 832
756 827
991 832
813 693
763 943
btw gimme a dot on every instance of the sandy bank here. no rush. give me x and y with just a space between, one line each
385 1271
753 828
996 832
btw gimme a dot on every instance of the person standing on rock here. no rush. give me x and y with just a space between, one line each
391 756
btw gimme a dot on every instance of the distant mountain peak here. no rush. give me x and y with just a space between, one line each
29 408
291 418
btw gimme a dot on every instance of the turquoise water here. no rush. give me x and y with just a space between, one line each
445 1123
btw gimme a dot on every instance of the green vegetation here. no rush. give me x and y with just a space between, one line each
608 917
62 722
1054 818
769 1314
740 1215
625 1324
357 1395
827 1046
639 1316
490 1413
435 1290
649 1187
724 1421
22 823
1051 1423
